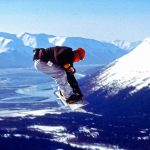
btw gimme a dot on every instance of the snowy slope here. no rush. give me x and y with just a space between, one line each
123 87
16 50
126 45
131 70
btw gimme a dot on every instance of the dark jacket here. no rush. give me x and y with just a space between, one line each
59 55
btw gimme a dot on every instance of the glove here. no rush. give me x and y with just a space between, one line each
69 68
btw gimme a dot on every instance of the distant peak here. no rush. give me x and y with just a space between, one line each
23 34
58 41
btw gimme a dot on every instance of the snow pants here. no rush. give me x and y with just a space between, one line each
57 73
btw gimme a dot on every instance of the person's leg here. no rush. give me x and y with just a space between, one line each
74 84
57 73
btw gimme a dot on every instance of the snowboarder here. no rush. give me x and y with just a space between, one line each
58 63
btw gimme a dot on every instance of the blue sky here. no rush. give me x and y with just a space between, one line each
97 19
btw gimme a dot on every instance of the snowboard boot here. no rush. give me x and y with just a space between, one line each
74 98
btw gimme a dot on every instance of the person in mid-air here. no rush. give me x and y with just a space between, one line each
58 63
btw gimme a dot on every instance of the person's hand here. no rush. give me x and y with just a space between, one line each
69 68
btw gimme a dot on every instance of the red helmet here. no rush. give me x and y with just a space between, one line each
81 53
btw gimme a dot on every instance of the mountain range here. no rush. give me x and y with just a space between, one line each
16 50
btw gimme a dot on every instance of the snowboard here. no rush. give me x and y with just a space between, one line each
73 106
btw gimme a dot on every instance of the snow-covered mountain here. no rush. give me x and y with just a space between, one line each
126 45
133 69
16 50
35 40
13 53
123 84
